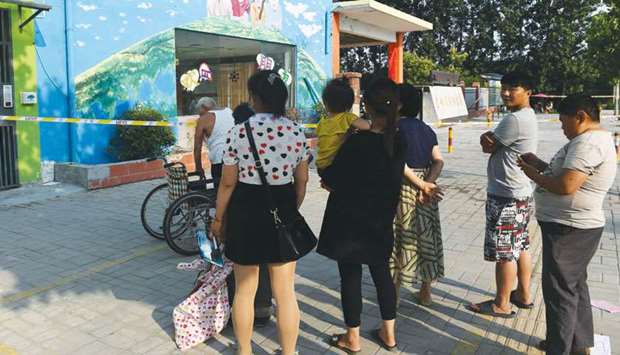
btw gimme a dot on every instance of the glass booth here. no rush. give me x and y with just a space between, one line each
219 66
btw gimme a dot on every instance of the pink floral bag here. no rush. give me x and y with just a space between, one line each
206 311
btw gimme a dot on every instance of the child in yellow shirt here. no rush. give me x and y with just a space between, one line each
338 98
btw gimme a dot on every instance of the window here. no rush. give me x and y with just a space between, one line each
231 62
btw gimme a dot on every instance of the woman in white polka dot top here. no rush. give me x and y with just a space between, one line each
251 238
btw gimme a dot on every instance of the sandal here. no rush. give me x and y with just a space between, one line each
519 304
279 352
424 303
486 308
377 337
333 341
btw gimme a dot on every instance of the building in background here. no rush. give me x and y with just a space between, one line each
97 59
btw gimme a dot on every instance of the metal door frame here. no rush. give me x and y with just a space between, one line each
9 172
8 77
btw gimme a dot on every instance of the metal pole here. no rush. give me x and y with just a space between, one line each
617 100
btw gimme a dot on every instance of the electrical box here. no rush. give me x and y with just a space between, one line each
7 96
29 98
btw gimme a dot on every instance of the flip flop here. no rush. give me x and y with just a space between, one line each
377 338
333 341
486 308
519 304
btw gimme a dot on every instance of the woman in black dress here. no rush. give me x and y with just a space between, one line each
250 236
357 230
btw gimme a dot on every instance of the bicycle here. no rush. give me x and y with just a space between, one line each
185 205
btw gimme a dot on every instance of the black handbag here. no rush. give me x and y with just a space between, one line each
295 238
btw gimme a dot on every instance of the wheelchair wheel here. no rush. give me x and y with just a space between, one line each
185 216
153 211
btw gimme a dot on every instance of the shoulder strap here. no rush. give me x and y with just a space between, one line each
261 172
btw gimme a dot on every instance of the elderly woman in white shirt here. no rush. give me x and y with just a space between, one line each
569 208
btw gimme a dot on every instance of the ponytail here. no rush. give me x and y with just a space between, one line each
382 96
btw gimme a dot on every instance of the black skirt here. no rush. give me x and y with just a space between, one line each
251 236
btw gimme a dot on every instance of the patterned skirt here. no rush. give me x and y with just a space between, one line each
418 248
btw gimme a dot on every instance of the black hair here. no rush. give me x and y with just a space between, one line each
270 90
338 96
518 78
382 96
242 112
410 100
574 103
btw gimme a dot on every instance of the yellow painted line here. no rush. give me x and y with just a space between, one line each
463 347
139 252
7 350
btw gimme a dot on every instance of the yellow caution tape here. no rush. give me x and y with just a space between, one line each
188 122
97 121
174 123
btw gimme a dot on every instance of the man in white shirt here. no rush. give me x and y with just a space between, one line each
212 128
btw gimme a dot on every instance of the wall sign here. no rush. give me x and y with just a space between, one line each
204 73
448 102
189 80
285 76
265 62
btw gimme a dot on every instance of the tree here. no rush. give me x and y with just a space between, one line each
417 69
566 45
603 38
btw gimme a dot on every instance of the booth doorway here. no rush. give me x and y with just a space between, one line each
230 62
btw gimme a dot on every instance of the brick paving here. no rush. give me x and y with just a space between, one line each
78 275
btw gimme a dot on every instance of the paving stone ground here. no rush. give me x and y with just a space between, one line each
78 275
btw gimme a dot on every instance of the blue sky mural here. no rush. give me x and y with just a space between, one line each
122 53
102 28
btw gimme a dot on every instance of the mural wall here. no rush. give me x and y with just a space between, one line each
120 53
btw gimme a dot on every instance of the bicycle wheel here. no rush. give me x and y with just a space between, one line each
189 214
153 211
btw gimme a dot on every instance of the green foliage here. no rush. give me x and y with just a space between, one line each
417 69
565 45
135 142
320 110
603 39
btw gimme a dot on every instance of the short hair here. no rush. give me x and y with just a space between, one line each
574 103
338 96
518 78
242 113
410 100
270 90
206 102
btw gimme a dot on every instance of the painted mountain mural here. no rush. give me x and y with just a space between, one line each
145 72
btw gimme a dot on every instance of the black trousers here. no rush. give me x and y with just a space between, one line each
351 291
567 251
216 174
262 301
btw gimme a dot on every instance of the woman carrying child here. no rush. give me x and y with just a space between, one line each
364 179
